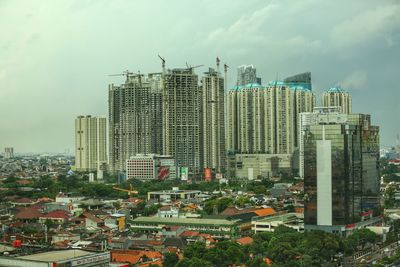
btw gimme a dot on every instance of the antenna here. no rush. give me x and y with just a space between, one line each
218 61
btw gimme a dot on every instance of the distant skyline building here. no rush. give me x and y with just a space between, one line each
341 181
181 126
8 152
247 74
90 143
213 120
135 118
337 97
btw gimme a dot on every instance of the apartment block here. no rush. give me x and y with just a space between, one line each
135 117
213 121
181 118
90 143
337 97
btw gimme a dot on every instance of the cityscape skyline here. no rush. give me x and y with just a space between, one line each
42 54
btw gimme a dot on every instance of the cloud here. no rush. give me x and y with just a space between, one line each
372 23
246 28
356 80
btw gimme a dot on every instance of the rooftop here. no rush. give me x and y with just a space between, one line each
182 221
336 89
59 255
296 86
283 218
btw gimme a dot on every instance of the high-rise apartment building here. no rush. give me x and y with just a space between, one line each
213 121
341 155
264 119
181 118
337 97
8 152
90 143
135 118
247 74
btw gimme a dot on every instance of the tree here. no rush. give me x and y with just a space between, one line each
49 223
170 259
197 249
390 201
364 236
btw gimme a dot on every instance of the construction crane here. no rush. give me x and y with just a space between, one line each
189 67
162 63
124 73
130 191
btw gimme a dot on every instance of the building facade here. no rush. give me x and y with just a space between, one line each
337 97
265 119
258 166
213 121
135 118
341 173
181 125
90 143
151 167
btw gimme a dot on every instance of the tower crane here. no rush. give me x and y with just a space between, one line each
130 191
124 73
162 63
189 67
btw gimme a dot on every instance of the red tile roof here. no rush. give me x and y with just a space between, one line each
28 213
133 256
189 233
57 214
265 211
247 240
232 210
91 217
23 200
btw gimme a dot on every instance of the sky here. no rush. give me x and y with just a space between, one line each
55 56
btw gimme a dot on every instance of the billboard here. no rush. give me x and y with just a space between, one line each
207 174
184 173
163 172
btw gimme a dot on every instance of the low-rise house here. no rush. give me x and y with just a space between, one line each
63 236
22 202
116 221
57 216
28 214
92 221
121 242
168 212
136 257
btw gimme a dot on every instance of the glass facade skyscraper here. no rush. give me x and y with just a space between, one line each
341 173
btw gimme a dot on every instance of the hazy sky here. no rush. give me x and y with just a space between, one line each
55 56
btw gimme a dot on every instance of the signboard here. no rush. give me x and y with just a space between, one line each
207 174
163 172
184 173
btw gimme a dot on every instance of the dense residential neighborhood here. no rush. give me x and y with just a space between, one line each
47 208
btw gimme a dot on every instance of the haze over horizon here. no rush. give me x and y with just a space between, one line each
56 55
